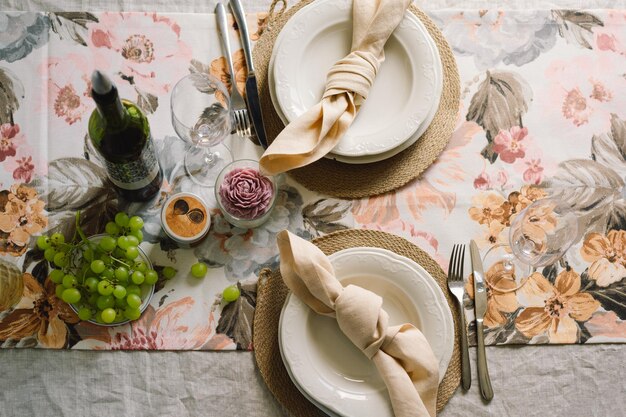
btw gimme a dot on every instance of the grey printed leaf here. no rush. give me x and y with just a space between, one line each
617 216
323 216
198 67
73 184
612 297
498 104
11 92
147 102
576 27
236 318
71 25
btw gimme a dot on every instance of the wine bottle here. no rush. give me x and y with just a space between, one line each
120 132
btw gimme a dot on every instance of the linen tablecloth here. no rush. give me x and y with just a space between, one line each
569 380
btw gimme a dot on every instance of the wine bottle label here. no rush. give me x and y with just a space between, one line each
136 174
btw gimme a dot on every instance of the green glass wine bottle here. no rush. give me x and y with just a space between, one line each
120 132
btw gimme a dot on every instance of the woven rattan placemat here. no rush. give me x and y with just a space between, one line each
271 297
356 181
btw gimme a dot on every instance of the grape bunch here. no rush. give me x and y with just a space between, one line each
103 281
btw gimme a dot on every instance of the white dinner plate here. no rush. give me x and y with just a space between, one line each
326 367
405 91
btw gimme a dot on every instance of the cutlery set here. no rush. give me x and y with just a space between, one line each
246 112
455 284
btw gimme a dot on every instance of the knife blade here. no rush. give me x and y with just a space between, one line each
480 308
252 91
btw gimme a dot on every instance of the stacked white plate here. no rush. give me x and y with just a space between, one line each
402 102
322 362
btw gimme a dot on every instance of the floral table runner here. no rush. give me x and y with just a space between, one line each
542 108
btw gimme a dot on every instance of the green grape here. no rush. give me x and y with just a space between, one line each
92 284
135 223
121 273
151 276
93 299
58 290
69 281
138 234
112 228
119 291
119 253
169 272
106 259
97 266
132 240
108 315
132 313
98 317
88 254
57 239
84 313
105 301
61 259
119 314
108 273
56 276
49 254
231 293
138 277
43 242
141 266
132 252
121 219
122 242
198 269
105 288
121 303
133 289
107 243
71 296
133 300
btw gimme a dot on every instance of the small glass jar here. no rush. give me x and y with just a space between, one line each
185 219
245 196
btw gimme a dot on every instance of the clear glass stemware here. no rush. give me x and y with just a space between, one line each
200 108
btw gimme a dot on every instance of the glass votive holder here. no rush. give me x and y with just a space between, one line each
185 218
245 196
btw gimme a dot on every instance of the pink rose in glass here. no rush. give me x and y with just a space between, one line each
245 193
508 144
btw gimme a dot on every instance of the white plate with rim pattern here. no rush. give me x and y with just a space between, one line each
335 375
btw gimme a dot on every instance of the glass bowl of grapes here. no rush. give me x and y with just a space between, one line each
107 279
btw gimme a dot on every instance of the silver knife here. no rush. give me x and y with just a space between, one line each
480 308
252 92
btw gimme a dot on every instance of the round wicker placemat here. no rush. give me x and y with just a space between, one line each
353 180
271 297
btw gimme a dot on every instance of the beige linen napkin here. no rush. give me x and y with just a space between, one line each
316 132
401 354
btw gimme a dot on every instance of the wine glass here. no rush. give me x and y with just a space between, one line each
200 107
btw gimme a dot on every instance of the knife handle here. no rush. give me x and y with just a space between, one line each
466 373
483 372
240 17
222 25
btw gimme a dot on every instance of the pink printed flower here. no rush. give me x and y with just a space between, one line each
8 133
25 170
143 49
485 182
507 144
482 182
575 107
611 37
534 171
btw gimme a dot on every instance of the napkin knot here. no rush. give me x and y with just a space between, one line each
354 73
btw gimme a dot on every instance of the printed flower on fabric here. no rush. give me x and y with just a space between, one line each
69 89
554 309
582 93
142 48
607 256
219 69
508 144
21 33
244 252
39 314
611 37
495 36
179 325
500 294
10 138
21 216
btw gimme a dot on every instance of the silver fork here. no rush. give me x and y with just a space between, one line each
237 103
456 286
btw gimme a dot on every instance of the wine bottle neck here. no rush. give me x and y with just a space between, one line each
111 108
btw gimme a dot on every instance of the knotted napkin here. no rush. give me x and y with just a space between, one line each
319 129
401 354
